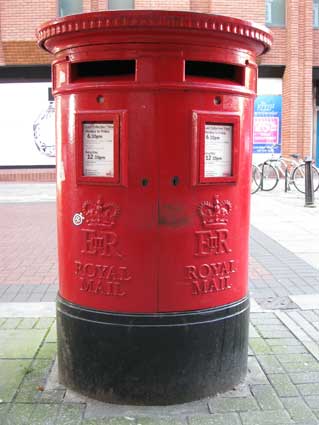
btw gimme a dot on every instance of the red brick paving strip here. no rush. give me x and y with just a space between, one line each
27 175
28 244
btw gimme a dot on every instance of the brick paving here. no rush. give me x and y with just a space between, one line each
28 244
28 175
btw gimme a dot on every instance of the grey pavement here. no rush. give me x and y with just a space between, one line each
27 192
284 218
282 384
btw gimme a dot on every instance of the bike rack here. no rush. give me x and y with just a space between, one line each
309 190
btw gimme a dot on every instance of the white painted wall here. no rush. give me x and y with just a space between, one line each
20 106
269 86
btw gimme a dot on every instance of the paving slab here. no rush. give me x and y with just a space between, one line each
218 419
12 372
20 414
158 421
23 309
266 397
20 343
298 410
269 417
306 302
298 329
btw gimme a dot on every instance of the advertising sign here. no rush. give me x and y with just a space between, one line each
267 124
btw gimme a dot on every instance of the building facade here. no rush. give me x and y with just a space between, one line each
289 73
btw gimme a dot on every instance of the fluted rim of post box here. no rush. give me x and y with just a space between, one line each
155 19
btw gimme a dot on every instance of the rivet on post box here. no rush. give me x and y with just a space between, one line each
154 139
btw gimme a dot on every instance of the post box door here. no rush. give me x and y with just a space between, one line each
202 251
113 247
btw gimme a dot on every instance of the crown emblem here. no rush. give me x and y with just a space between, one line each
100 213
214 213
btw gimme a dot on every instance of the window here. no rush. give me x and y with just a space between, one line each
120 4
69 7
275 13
316 13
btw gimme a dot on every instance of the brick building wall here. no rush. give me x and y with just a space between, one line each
297 81
18 23
278 52
2 61
294 47
306 84
243 9
163 4
203 6
290 94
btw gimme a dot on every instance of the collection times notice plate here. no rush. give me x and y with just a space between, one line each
98 149
218 150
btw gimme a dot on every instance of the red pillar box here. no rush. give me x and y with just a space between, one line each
154 138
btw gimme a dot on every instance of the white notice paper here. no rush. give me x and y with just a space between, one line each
98 149
218 150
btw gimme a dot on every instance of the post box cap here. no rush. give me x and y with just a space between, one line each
75 30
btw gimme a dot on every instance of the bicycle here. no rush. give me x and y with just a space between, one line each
298 177
274 169
255 179
269 175
292 169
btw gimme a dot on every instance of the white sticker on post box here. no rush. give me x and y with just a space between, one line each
218 150
98 149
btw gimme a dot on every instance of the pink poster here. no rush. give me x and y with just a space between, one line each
266 130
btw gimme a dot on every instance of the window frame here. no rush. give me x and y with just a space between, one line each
131 8
58 6
315 3
271 24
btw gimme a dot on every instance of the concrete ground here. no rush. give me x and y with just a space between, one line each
284 218
282 384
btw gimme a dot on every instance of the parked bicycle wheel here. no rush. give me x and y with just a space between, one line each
269 176
255 179
298 178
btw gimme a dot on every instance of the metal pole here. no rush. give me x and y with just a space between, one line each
309 192
287 176
262 177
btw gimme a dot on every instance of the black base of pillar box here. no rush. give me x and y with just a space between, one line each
152 359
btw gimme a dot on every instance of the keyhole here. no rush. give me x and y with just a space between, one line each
144 182
175 180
